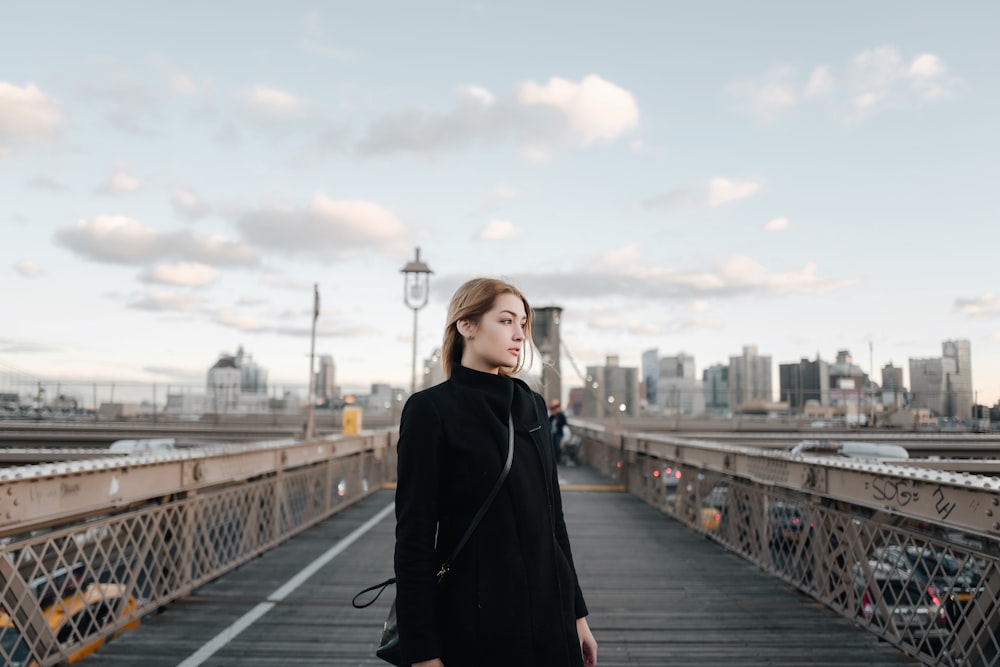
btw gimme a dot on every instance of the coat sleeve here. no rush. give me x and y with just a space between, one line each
562 535
418 476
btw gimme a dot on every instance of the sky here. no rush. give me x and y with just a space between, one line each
693 177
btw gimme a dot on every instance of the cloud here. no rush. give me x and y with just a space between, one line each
46 183
621 273
188 205
498 230
118 183
273 109
777 225
326 226
179 83
186 274
16 346
984 306
278 280
539 118
713 193
163 301
123 240
871 80
28 269
233 320
129 106
26 115
316 41
722 191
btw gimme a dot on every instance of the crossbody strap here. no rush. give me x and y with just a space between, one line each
446 566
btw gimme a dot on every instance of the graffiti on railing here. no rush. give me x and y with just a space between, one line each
904 492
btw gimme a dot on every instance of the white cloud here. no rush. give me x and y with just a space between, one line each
123 240
166 302
537 117
182 274
621 272
597 110
275 110
498 230
983 306
179 83
28 269
341 227
188 205
700 306
279 280
871 80
46 183
722 191
316 41
235 321
715 192
119 182
777 225
26 114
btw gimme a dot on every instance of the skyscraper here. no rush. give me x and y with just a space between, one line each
804 381
944 385
749 377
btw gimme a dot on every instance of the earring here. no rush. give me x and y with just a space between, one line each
471 337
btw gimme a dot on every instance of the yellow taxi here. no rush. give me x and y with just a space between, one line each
72 618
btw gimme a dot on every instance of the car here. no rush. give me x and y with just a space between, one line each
789 524
956 585
78 613
888 600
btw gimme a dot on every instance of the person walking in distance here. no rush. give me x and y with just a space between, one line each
557 425
511 596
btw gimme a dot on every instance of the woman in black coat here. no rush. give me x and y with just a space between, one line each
511 596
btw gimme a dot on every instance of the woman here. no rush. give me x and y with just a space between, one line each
511 596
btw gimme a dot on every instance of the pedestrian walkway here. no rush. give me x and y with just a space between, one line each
659 594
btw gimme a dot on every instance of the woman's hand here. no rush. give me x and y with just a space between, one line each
436 662
588 645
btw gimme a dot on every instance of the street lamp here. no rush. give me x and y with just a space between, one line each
416 290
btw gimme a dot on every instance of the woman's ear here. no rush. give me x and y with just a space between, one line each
466 328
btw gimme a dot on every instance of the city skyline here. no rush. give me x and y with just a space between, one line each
176 177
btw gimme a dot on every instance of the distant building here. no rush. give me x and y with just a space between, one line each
749 378
545 334
715 379
944 385
650 373
851 390
802 382
679 390
610 387
326 381
893 391
236 384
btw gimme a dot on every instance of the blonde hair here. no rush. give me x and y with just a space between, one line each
471 301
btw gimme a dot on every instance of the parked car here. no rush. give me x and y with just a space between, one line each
73 613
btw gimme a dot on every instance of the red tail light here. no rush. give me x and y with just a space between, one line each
931 591
656 473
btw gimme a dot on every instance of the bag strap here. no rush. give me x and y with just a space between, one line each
446 566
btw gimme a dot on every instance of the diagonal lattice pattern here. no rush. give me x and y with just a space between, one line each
66 590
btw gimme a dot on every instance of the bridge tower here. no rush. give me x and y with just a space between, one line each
545 333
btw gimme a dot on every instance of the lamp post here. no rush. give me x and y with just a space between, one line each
416 290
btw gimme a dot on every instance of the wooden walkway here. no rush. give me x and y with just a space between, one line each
659 594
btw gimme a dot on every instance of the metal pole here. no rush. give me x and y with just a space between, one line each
413 377
312 353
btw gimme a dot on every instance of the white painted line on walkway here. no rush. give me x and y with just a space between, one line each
249 618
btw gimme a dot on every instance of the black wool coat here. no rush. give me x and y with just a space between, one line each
512 596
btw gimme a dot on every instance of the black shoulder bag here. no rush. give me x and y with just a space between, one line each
388 645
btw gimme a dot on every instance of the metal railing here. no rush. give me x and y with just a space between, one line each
908 553
88 548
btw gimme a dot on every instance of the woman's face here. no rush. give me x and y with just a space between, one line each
498 337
